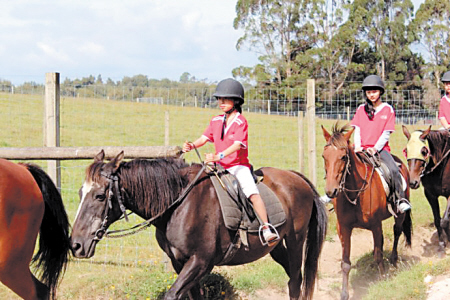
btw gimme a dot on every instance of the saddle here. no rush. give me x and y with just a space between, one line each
237 210
386 178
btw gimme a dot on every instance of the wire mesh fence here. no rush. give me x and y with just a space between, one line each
122 116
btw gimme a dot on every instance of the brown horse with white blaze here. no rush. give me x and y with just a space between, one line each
189 224
30 204
360 199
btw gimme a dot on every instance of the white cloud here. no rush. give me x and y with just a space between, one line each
49 51
158 38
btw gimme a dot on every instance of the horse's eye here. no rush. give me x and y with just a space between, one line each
100 197
425 152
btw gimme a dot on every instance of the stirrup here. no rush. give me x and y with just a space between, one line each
272 230
403 205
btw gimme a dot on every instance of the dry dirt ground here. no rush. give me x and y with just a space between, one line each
329 284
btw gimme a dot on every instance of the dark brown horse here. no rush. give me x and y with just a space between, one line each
427 153
192 231
359 200
31 204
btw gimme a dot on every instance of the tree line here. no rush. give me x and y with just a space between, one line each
343 41
336 42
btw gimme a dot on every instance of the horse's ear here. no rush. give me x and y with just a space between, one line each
100 156
424 135
326 135
406 132
349 133
116 160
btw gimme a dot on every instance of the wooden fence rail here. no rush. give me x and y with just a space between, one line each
73 153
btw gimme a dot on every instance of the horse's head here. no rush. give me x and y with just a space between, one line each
336 157
417 153
97 210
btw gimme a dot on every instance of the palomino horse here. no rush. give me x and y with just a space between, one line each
359 200
181 203
427 153
31 204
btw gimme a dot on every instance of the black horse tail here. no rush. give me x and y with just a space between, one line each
54 243
317 231
407 228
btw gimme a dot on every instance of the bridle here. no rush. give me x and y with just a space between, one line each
346 172
113 182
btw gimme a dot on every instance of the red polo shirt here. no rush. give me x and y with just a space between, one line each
371 130
444 109
237 131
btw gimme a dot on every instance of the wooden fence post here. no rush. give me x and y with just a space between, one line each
300 141
51 124
311 116
166 129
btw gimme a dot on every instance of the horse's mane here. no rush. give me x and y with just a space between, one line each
439 141
337 136
151 185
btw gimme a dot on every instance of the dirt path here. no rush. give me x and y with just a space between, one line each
329 284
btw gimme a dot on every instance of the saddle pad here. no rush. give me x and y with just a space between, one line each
381 172
234 216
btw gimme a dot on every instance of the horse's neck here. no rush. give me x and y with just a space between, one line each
357 170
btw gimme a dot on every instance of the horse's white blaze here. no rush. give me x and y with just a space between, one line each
86 188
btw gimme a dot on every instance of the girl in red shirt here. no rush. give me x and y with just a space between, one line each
444 106
374 121
229 133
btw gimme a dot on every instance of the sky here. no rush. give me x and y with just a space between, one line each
112 38
156 38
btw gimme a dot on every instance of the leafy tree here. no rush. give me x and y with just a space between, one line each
275 29
99 79
186 77
432 26
337 41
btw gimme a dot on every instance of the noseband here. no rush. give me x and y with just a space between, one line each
113 183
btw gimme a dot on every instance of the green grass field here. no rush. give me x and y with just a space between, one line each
134 267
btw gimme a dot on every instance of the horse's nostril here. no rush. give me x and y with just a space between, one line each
76 246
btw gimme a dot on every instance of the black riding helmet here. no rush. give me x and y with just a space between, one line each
446 77
230 88
373 82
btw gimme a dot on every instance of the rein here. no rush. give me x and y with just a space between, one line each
364 186
435 166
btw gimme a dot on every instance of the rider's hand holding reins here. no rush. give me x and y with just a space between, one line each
372 151
211 158
187 146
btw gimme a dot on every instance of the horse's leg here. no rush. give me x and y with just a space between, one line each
16 275
445 222
377 233
434 203
17 243
397 233
280 255
195 292
291 258
345 237
188 279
